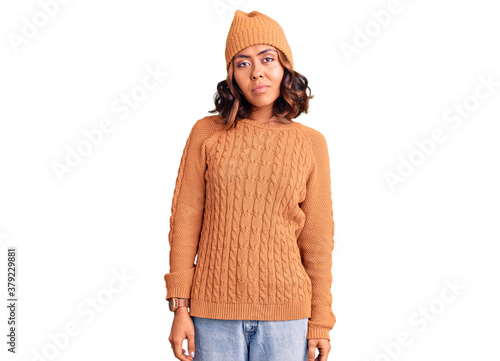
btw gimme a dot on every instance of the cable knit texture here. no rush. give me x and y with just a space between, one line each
253 205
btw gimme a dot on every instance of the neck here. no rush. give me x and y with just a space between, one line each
265 115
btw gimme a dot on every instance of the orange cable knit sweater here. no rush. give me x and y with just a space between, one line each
254 204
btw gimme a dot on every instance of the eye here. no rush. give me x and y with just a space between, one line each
240 65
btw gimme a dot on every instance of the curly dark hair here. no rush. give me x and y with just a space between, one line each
232 105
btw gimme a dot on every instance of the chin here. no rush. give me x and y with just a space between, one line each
262 101
261 104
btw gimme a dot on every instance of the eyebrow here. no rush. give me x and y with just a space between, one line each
262 52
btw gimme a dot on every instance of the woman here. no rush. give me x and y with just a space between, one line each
253 201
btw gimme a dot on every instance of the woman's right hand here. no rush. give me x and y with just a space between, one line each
182 328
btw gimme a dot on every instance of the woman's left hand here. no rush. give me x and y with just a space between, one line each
323 344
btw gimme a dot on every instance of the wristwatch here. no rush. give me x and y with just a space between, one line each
174 303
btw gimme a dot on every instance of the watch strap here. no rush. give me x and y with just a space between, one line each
174 303
182 302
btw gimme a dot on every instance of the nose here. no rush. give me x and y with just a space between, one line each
256 70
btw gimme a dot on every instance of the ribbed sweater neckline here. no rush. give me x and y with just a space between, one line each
270 125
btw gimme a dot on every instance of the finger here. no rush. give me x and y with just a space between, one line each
323 352
324 355
310 355
178 351
186 355
191 346
318 358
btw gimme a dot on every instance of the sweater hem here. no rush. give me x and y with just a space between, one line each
250 311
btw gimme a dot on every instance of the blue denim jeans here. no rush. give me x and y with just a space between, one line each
247 340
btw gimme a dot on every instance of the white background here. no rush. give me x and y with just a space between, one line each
395 247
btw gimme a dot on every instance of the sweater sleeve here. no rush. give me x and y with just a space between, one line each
316 239
186 215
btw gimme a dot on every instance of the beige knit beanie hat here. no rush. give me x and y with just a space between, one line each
255 28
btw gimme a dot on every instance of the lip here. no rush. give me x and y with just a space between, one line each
260 88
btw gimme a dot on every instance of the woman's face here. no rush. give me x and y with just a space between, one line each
258 65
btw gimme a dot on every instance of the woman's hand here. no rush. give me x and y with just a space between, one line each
324 348
182 328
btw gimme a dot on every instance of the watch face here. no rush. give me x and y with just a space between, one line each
171 303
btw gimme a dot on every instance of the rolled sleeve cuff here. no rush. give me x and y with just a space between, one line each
179 283
318 332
